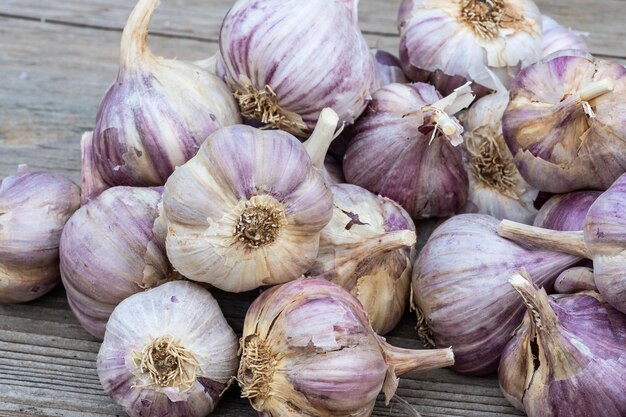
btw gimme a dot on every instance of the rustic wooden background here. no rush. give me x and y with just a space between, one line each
57 58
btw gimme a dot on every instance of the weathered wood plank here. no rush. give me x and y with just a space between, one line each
199 19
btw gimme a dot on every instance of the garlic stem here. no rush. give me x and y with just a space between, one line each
135 34
317 145
596 89
407 360
535 299
386 242
572 243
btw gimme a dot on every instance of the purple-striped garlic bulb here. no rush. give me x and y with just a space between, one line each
112 248
602 240
34 207
461 290
566 212
248 209
169 352
496 187
368 248
558 38
283 71
450 42
154 117
405 147
568 358
388 68
308 350
572 280
580 142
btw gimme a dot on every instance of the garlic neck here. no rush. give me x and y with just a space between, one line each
321 138
592 91
135 35
572 243
386 242
484 17
407 360
536 300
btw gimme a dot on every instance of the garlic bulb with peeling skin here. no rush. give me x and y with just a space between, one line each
34 207
309 350
574 280
495 185
368 248
248 209
450 42
112 248
461 290
388 68
568 358
405 147
566 211
557 38
284 72
168 352
581 140
155 116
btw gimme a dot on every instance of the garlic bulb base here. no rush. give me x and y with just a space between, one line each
568 242
256 370
260 222
485 18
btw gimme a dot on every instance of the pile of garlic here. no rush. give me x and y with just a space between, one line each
229 172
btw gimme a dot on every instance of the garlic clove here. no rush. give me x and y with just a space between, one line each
566 212
575 280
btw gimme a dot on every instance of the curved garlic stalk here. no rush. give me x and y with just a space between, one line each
568 358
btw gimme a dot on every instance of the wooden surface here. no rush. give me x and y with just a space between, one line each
57 58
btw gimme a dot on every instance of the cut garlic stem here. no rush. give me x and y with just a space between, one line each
387 242
322 136
596 89
135 35
407 360
572 243
536 300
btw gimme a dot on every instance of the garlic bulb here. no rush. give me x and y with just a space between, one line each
308 350
575 279
405 147
450 42
284 72
112 248
155 116
248 209
368 248
388 68
168 352
34 206
495 185
461 290
557 38
581 140
568 358
566 211
333 169
603 240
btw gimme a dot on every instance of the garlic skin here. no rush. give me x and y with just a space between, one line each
405 147
557 38
388 68
308 350
496 187
461 290
248 209
368 248
168 352
574 280
581 140
155 116
285 85
112 248
566 211
34 206
568 358
450 42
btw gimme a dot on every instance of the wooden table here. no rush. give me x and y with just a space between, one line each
57 58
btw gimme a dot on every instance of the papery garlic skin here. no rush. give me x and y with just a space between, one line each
566 211
581 140
568 358
388 68
368 248
246 211
558 38
284 72
185 316
308 350
34 207
156 114
461 290
450 42
112 248
496 187
399 151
